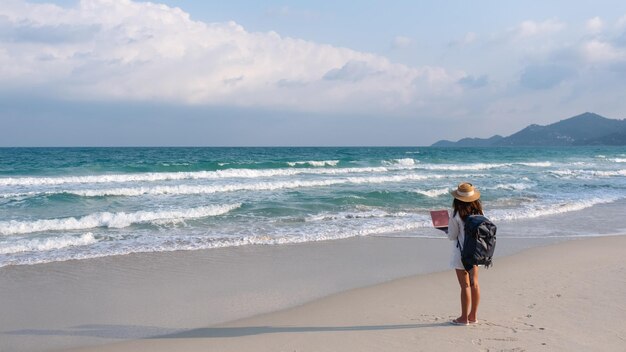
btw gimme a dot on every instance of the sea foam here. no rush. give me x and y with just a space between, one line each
48 244
482 166
537 164
111 220
538 210
461 167
433 193
173 176
511 186
404 162
354 215
233 187
314 163
587 174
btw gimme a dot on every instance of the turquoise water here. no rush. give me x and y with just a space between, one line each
74 203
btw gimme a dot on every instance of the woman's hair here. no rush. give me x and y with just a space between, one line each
465 209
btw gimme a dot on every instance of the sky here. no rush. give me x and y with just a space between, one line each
302 73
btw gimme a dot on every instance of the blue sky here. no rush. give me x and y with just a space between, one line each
103 72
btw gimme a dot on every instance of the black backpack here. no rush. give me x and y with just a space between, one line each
479 243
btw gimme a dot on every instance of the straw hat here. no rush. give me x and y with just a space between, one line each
466 192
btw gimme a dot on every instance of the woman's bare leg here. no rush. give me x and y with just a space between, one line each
464 283
475 294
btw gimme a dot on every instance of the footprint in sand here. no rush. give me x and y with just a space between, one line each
428 317
490 344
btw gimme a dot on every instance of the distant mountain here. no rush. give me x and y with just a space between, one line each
617 138
469 142
584 129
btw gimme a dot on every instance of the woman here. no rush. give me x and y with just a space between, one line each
466 203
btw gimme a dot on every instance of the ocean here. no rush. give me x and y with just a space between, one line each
60 204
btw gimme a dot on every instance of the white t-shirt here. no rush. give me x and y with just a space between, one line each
456 230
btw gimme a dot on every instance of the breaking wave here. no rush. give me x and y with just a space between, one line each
511 186
173 176
111 220
404 162
567 173
314 163
433 193
260 186
354 215
48 244
548 209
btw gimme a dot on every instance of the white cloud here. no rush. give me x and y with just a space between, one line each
145 52
529 28
594 25
597 51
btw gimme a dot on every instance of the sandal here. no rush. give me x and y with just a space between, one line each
457 322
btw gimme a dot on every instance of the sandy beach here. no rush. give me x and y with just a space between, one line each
564 297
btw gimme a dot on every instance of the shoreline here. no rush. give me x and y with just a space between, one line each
520 310
100 301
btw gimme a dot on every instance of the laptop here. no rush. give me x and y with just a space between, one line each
440 219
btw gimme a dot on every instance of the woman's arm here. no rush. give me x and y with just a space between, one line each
453 228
